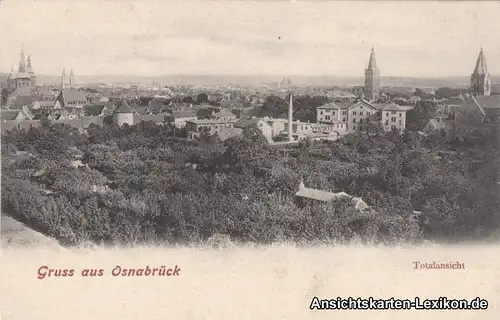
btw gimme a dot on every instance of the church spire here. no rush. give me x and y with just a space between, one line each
372 63
371 91
71 78
481 67
63 79
22 60
480 78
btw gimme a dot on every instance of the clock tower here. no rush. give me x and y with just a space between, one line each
480 79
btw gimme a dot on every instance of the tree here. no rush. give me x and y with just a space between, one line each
202 98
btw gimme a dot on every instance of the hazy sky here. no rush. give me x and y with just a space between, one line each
249 37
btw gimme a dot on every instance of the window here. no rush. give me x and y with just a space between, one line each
360 121
400 114
386 122
354 113
354 127
393 119
354 120
387 113
344 112
343 119
400 123
333 112
361 113
321 113
327 117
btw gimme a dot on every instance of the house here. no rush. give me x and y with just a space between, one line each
123 114
392 117
226 133
207 126
23 114
72 98
43 105
262 124
224 114
306 196
360 114
335 114
181 117
221 119
435 125
479 113
64 115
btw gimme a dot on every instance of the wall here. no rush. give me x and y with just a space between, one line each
122 118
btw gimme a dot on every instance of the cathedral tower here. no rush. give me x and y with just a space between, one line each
71 79
63 80
372 82
22 62
480 80
31 72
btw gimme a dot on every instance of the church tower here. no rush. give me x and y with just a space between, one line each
22 62
71 79
372 82
31 72
63 80
480 80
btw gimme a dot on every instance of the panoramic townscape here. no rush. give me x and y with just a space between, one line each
239 122
111 163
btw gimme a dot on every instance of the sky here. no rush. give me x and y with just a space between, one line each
154 38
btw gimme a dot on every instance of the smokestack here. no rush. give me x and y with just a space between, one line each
290 120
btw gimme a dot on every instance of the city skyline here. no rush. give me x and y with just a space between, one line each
250 38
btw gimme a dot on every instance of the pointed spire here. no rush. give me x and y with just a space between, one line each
481 67
372 63
71 78
63 79
22 60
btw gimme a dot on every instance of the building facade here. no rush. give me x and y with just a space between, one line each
123 115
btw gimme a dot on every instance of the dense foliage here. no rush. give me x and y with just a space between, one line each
143 184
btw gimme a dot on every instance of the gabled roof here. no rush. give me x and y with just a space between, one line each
226 133
326 196
243 123
123 108
73 95
9 115
488 102
177 114
363 102
223 113
330 105
22 101
389 107
435 124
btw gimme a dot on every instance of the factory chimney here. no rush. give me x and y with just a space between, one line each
290 118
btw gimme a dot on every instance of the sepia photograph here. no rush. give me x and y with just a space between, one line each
227 145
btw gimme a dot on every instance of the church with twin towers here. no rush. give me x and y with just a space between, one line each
480 80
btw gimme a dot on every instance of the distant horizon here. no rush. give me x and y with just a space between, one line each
311 38
277 76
